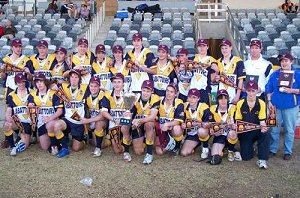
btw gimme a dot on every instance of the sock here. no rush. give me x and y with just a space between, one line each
205 144
62 140
149 146
231 147
99 138
178 141
10 138
126 144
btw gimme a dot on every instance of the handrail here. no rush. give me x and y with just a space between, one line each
219 12
96 24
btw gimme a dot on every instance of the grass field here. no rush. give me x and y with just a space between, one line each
35 173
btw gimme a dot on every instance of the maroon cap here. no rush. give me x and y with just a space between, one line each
95 79
148 84
225 42
182 51
100 48
251 85
194 92
117 48
61 49
174 85
137 36
39 76
286 56
164 48
42 43
75 71
16 42
222 92
20 77
256 42
117 76
202 42
83 41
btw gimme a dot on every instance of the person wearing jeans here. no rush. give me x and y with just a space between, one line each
286 102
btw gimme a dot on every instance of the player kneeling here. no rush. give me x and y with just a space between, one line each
223 113
171 116
49 108
144 113
196 113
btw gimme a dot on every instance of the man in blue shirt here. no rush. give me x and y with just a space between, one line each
286 101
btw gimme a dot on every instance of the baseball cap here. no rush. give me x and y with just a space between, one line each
202 42
164 48
251 85
75 71
174 85
100 48
42 43
83 41
16 42
256 42
117 76
95 79
61 49
117 48
148 84
137 36
286 56
20 77
225 42
194 92
222 92
182 51
39 76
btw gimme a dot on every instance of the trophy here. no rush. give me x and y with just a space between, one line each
130 65
129 100
227 81
243 126
286 79
33 113
11 68
18 123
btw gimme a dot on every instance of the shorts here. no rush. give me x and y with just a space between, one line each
221 139
27 128
42 130
76 130
194 138
135 134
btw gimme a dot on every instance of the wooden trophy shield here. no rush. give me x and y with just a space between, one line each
33 113
271 120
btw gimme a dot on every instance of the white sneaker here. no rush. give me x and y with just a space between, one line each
230 156
13 151
54 150
148 159
97 152
262 164
237 156
127 157
205 152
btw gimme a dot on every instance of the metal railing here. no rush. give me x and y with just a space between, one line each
219 13
94 27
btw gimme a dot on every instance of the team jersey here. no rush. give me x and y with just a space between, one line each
235 70
102 71
57 71
225 117
201 114
19 105
86 62
146 57
21 62
94 106
77 103
174 112
202 77
165 75
42 65
142 110
48 104
254 114
125 72
113 105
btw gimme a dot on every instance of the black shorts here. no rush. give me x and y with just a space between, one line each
42 130
27 128
194 138
221 139
135 134
76 130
